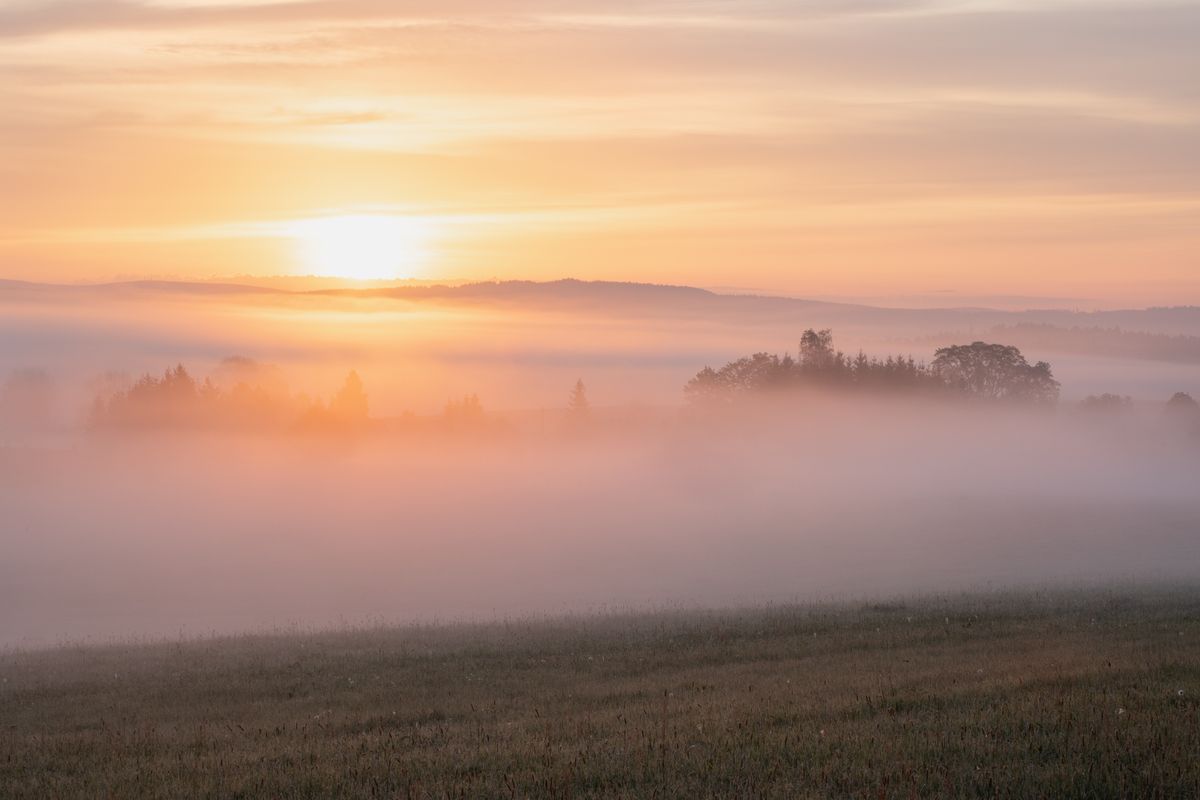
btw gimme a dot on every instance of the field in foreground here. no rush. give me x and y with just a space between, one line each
1083 694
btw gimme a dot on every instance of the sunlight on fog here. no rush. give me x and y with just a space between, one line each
199 459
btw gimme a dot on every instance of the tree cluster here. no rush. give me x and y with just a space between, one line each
978 370
1107 403
995 372
257 400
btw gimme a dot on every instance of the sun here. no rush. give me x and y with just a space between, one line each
362 246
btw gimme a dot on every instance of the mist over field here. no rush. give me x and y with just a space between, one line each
198 537
519 345
653 503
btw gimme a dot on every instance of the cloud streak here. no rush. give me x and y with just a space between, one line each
805 109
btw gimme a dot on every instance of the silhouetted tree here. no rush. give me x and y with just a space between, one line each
1183 409
981 370
577 402
1106 403
816 349
170 401
706 388
819 365
177 400
464 414
757 372
1183 403
350 403
995 372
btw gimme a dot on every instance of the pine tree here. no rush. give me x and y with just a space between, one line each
577 403
350 404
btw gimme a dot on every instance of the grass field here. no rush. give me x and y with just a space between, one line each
1064 694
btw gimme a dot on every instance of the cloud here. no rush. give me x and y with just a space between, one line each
760 108
57 16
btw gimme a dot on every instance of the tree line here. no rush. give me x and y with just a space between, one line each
979 371
252 396
257 399
248 395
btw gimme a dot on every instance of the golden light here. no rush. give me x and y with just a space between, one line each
362 246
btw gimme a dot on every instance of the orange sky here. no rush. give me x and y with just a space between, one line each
814 147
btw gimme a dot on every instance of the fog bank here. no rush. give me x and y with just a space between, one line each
170 535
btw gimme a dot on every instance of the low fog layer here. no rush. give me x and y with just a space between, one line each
518 345
162 535
274 489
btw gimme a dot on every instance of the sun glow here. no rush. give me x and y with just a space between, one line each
362 246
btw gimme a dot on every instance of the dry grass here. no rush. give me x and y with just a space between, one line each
1037 695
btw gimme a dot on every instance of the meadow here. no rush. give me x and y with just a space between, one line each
1052 694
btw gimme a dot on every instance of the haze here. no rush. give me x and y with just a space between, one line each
832 502
317 313
147 522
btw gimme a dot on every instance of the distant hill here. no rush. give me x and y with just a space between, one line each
1048 327
567 289
668 300
1093 341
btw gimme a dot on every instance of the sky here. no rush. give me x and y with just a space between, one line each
1046 148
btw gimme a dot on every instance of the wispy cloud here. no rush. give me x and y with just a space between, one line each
187 114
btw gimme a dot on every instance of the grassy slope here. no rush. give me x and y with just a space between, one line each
1063 695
